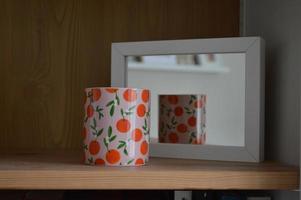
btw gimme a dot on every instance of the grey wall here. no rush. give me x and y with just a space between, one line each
279 23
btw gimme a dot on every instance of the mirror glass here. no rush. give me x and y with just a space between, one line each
218 79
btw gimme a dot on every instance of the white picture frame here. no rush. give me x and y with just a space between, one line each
253 47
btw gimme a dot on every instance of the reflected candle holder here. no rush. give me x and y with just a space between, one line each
182 119
116 126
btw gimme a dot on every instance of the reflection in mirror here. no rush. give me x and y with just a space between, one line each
218 77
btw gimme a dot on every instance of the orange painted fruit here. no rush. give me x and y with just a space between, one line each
113 156
178 111
141 110
145 96
144 148
182 128
137 135
173 137
198 104
111 90
191 121
99 161
96 94
94 147
172 99
139 161
123 125
90 111
130 95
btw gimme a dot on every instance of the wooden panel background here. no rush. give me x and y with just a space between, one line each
51 50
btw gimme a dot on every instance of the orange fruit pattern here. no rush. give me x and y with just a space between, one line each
198 104
137 135
192 121
123 125
139 161
116 126
130 95
112 90
173 137
145 96
182 119
141 110
113 156
99 161
96 94
182 128
90 111
173 99
144 147
178 111
94 147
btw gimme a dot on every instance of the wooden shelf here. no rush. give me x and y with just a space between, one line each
64 171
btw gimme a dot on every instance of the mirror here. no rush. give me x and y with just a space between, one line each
218 76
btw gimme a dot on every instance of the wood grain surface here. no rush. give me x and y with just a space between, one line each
50 50
59 170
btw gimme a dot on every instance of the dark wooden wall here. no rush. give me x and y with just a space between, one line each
51 49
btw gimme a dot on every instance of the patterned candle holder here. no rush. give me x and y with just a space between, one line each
116 126
182 119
